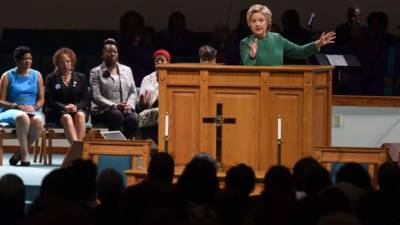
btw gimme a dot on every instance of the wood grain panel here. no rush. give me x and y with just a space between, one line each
320 79
288 104
184 111
367 101
240 141
254 96
230 78
320 119
286 80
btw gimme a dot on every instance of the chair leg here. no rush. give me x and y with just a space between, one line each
47 156
43 145
36 149
1 146
50 158
91 133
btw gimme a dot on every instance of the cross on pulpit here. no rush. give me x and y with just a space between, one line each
219 121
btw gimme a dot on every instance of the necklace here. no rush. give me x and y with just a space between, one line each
66 79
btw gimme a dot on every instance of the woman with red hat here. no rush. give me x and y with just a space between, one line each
148 98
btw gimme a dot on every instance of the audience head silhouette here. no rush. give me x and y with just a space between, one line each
198 182
241 178
12 199
300 168
161 167
355 174
109 186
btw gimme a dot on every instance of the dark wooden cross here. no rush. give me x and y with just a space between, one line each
219 121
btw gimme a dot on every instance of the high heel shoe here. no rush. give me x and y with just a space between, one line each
25 163
15 158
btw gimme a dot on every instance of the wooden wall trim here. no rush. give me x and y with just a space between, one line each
239 69
365 101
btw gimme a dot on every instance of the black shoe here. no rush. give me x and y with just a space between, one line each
25 163
15 158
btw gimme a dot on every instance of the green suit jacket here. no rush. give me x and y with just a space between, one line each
272 49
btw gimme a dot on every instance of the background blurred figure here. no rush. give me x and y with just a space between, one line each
242 29
293 31
21 96
343 31
177 39
223 42
379 42
131 28
146 45
392 73
129 23
67 95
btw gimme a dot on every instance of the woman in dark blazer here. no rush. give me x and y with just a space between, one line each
67 95
113 93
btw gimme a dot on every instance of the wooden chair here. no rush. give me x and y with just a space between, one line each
373 157
9 132
47 149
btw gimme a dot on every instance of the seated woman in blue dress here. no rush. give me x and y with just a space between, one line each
21 96
67 95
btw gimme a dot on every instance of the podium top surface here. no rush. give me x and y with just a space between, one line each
191 66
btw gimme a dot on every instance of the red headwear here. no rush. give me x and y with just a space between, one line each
164 53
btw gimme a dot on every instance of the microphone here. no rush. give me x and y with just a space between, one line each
311 20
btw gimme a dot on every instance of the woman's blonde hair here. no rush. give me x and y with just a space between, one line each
257 8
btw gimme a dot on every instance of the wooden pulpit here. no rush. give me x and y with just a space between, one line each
236 108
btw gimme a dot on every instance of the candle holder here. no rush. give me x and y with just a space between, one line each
279 138
166 138
220 167
279 147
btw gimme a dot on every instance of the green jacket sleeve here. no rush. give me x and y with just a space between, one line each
294 51
244 53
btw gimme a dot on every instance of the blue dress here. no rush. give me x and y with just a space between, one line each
23 90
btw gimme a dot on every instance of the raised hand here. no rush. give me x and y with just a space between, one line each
326 38
253 49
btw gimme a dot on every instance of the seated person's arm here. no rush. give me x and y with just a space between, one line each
96 93
133 97
84 101
51 102
40 97
3 94
145 99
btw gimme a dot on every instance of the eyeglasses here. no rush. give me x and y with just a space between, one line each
160 60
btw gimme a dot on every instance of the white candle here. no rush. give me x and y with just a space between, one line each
166 125
279 128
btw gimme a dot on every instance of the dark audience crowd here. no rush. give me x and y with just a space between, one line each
306 195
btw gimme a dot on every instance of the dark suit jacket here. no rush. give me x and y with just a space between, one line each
55 95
